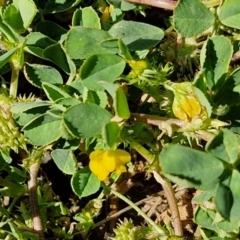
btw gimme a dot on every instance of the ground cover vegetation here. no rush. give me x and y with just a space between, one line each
119 120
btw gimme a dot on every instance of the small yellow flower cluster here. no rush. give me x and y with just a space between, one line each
104 162
137 67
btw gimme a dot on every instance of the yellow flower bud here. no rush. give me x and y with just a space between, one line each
142 64
104 162
106 14
137 67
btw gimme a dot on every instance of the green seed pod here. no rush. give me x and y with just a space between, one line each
125 231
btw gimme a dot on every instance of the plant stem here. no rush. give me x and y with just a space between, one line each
169 124
167 187
168 190
170 4
142 151
5 212
156 120
205 135
158 228
33 199
14 79
117 214
166 4
70 79
12 204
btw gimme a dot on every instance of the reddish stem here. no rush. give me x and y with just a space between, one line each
171 4
167 4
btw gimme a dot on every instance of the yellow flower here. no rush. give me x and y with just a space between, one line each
104 162
186 105
106 14
138 66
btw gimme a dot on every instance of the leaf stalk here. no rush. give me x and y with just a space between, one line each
158 228
166 185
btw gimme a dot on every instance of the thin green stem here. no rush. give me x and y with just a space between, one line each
8 211
167 187
70 79
12 204
158 228
101 195
117 214
142 151
14 79
5 212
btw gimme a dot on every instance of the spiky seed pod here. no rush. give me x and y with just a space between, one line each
125 230
10 136
24 98
86 216
181 53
